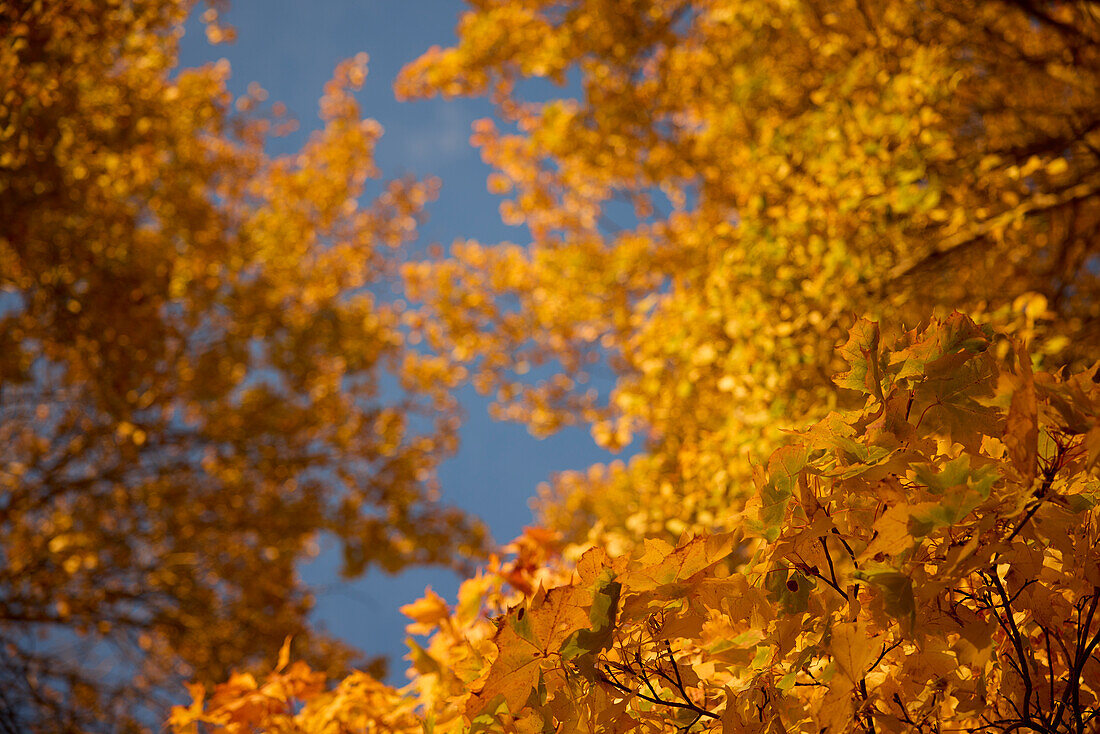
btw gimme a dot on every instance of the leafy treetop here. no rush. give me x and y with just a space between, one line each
721 185
928 562
191 352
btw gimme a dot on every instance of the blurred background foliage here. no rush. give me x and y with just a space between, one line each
192 366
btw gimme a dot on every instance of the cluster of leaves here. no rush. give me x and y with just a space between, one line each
718 188
191 352
192 343
927 563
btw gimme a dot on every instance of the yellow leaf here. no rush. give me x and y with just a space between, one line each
426 613
284 655
1057 166
892 536
853 650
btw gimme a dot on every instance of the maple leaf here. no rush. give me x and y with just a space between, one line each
861 352
790 589
663 565
892 533
956 474
771 168
933 347
530 637
768 507
513 675
678 632
952 397
837 708
853 649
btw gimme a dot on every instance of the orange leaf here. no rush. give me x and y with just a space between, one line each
426 613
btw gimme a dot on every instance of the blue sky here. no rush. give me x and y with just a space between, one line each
290 48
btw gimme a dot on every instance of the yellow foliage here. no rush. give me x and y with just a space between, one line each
190 365
190 361
724 184
978 613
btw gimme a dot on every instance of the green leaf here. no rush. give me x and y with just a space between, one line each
861 352
897 593
957 500
955 474
1079 502
791 591
762 658
954 335
601 617
767 508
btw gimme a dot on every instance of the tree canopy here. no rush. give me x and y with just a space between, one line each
722 187
193 342
926 563
833 266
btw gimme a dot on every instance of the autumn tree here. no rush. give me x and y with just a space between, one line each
194 337
721 185
928 562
